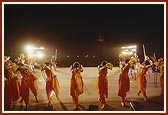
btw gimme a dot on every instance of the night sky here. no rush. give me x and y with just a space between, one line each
74 29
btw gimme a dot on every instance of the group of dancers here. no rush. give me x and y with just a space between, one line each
16 89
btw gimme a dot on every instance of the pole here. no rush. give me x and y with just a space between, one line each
144 51
154 55
133 107
55 54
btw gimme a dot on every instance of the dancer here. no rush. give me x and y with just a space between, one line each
160 64
52 84
124 81
11 87
102 83
28 82
76 87
141 78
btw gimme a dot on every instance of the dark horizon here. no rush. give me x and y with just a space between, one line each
74 29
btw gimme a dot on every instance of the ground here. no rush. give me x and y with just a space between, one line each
90 95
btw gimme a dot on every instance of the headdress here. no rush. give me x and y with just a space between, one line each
109 65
